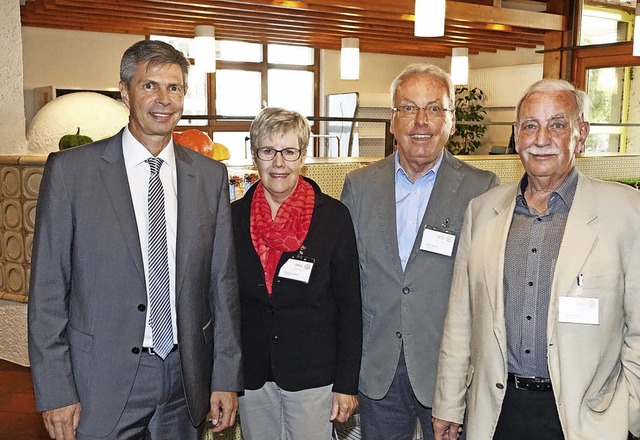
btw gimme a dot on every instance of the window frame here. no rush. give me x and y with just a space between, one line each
222 124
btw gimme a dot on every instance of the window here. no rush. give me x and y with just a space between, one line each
195 101
291 89
298 55
243 84
238 92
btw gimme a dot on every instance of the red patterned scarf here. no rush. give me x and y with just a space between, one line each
286 232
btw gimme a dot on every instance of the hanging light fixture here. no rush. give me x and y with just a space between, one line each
204 48
460 65
429 18
636 32
350 58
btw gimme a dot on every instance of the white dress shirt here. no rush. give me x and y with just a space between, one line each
138 172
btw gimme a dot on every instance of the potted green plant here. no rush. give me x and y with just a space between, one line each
468 137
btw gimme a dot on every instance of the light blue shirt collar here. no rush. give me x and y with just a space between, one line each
400 172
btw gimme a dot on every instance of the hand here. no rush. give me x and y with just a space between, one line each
444 430
343 406
224 406
61 423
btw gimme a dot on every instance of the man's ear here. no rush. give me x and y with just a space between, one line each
124 93
584 130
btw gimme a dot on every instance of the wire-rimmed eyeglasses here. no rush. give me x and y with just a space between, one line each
432 110
269 153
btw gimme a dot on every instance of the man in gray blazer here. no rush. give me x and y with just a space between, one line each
133 307
408 210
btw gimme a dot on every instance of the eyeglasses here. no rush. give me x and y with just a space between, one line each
269 153
411 111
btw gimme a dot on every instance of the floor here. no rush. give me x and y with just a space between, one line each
18 418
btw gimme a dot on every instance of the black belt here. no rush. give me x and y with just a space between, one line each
530 383
151 351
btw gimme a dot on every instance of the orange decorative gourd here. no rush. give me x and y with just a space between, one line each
196 140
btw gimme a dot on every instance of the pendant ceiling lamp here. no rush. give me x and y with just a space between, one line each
350 59
204 48
460 66
429 20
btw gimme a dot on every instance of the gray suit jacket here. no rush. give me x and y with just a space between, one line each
405 308
87 299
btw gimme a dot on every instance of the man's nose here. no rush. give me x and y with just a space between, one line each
421 117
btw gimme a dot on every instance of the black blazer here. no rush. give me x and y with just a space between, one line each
311 333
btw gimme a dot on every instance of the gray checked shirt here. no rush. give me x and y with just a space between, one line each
530 258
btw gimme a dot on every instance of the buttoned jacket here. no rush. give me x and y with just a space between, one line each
88 300
594 369
405 308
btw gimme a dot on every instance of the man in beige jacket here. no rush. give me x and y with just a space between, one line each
542 334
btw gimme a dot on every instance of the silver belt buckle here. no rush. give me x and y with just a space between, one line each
517 381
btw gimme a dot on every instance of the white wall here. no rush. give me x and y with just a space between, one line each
71 59
59 58
491 72
377 71
12 120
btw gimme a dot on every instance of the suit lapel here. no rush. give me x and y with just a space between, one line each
116 183
187 212
495 242
577 242
445 187
385 199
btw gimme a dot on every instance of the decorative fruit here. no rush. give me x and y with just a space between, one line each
73 140
220 152
196 140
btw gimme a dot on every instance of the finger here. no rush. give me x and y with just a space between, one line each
48 426
214 414
69 433
223 419
58 431
76 420
232 420
335 409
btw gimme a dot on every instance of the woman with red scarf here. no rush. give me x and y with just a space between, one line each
299 291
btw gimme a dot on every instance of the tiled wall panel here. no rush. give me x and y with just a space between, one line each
20 178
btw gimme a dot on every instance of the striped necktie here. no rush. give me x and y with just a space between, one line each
159 301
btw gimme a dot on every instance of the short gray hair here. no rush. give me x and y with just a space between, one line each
156 53
558 85
275 120
424 69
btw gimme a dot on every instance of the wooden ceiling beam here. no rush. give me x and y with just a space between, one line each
350 28
385 26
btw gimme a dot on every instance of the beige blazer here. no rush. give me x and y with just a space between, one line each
594 369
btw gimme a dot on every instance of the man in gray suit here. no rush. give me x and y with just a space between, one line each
133 307
408 210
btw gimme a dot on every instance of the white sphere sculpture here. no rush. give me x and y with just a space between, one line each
98 117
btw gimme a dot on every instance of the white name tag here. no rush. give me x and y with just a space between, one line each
579 310
297 269
439 242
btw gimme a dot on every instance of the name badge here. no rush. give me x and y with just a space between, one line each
297 268
578 310
437 241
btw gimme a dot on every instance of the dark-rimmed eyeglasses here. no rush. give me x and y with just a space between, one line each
432 110
269 153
